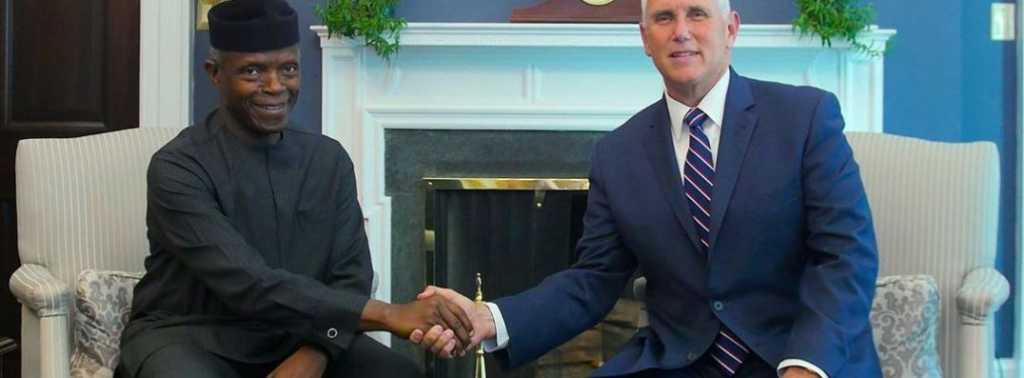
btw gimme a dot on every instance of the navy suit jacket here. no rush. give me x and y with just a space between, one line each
792 262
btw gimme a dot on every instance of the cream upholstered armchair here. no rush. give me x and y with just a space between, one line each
81 205
936 212
935 207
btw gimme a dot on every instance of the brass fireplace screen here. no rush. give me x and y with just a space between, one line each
516 232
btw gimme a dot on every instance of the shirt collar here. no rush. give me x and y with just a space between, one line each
234 128
713 103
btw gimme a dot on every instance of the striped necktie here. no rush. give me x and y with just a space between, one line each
728 351
699 175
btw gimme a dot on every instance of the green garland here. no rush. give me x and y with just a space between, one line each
836 19
370 19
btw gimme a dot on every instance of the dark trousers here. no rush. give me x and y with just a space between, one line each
366 358
753 367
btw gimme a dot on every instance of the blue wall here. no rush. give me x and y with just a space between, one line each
990 89
945 80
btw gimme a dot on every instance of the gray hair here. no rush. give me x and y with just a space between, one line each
213 56
724 5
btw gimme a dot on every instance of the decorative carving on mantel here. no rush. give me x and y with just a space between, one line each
580 11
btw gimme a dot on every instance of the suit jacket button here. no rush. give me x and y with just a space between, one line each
718 306
332 333
691 356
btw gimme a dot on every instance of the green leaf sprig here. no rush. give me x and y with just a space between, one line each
842 19
371 20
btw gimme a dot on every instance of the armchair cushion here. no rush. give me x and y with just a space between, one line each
102 308
904 318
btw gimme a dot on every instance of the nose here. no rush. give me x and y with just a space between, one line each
682 30
272 84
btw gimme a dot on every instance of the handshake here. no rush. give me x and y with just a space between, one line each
454 335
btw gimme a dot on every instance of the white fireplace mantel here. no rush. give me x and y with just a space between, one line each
584 35
574 77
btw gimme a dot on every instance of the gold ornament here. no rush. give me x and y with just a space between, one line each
481 369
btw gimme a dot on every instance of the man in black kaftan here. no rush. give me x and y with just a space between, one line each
259 261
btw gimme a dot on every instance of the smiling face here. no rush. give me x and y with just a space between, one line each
690 42
259 89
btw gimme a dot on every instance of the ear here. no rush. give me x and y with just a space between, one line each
212 71
643 37
733 28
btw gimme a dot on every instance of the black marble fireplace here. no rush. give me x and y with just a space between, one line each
467 202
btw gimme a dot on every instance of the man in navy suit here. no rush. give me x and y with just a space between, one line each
740 202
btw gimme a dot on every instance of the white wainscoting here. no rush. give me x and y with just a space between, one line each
584 77
165 63
1006 368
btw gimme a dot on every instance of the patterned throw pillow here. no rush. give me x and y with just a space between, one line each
102 307
904 318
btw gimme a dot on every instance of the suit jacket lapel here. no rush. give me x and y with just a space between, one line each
661 154
738 125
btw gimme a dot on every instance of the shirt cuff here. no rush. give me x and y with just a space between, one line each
801 363
500 341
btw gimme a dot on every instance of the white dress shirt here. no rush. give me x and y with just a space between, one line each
713 105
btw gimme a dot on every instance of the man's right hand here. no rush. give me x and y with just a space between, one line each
403 319
435 339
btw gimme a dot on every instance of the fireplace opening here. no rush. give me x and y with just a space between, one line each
515 232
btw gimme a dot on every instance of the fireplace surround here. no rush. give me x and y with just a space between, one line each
523 100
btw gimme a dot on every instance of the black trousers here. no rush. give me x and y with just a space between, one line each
367 358
753 367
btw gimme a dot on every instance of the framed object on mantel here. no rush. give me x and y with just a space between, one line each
581 11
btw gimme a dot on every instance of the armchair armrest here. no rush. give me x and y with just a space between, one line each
40 291
640 288
640 292
984 290
45 332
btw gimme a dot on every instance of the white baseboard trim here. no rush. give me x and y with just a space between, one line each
1007 367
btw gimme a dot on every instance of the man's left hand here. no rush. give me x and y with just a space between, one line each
798 372
307 362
